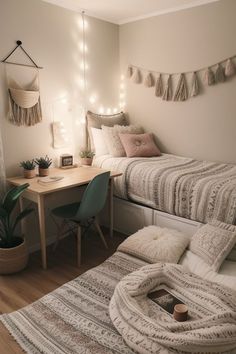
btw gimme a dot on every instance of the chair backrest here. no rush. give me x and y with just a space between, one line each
94 197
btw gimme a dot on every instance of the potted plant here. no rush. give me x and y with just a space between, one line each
29 168
43 164
86 157
13 250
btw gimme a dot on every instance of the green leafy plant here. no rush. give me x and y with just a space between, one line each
43 162
28 165
8 221
86 154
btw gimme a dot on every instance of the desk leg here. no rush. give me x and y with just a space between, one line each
111 207
41 213
23 221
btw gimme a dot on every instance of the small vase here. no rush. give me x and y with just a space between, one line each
43 172
29 173
86 161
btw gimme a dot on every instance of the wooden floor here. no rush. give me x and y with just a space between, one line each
21 289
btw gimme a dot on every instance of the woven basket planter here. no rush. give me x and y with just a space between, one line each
87 161
43 172
13 260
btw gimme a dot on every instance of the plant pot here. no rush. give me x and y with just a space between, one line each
43 172
13 260
86 161
29 173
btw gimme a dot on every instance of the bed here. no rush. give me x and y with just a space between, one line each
185 187
75 317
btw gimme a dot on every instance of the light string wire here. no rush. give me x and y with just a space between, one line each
84 63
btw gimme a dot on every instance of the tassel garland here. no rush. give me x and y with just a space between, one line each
148 81
167 95
230 69
129 71
181 93
136 78
209 77
159 86
194 85
220 74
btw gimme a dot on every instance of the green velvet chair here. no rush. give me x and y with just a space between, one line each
86 211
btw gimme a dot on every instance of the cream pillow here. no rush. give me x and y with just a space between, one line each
100 146
155 244
113 142
213 242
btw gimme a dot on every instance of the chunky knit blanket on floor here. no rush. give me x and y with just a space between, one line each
146 327
192 189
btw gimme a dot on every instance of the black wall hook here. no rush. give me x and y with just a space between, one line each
19 44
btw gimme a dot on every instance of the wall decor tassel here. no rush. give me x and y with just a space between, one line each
220 74
181 92
167 95
136 77
209 77
230 69
194 85
148 81
159 86
129 72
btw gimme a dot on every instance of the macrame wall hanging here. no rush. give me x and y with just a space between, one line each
188 84
24 102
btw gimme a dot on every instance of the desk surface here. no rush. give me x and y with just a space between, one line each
72 177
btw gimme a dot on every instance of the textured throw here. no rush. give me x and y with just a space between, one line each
147 327
192 189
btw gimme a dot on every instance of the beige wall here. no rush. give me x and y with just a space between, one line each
53 36
203 127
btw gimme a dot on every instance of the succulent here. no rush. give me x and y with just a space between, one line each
9 219
43 162
28 164
86 154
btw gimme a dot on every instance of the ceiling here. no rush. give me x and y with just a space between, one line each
124 11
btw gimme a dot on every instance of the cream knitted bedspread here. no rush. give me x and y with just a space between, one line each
146 327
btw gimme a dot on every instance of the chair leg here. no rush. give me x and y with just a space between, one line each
79 246
100 233
59 234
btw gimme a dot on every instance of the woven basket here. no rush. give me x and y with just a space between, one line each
13 260
43 172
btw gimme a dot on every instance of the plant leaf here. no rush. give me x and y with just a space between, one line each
12 196
21 216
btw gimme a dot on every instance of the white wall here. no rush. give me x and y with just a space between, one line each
53 37
203 127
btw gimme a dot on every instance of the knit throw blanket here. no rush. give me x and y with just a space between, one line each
146 327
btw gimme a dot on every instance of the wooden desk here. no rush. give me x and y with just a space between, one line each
72 178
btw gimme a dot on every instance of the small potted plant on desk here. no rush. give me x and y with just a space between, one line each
86 157
29 168
13 249
43 164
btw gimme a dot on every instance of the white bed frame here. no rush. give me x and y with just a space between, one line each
130 217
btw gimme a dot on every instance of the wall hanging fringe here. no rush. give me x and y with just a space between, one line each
167 95
148 81
181 92
194 85
216 73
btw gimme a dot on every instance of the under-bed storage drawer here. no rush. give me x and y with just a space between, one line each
175 222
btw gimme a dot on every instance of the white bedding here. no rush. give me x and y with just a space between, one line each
192 189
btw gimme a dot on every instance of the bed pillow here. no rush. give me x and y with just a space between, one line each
232 255
213 242
156 244
139 145
97 120
113 142
100 146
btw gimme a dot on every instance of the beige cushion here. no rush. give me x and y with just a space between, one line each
139 145
100 147
112 138
155 244
213 242
226 275
97 120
